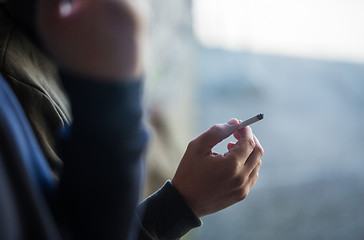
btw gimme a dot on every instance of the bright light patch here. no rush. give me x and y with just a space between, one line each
65 8
329 29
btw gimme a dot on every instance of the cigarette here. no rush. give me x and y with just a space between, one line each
251 121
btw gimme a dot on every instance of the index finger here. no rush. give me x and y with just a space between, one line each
217 133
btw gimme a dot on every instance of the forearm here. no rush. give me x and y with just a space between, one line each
165 215
102 156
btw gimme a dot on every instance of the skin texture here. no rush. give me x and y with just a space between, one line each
99 38
211 182
103 38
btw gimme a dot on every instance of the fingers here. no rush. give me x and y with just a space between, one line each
254 158
240 133
254 175
244 147
246 183
247 150
216 134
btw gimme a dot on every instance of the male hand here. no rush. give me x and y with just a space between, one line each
97 38
210 182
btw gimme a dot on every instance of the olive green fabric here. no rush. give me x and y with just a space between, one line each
35 81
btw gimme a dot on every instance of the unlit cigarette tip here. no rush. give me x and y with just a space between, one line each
251 121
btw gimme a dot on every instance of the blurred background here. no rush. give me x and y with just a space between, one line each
301 63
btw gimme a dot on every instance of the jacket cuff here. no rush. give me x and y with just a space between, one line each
166 215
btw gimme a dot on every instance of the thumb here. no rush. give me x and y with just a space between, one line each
216 134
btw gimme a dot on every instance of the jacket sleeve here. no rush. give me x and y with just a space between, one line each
102 152
165 215
101 180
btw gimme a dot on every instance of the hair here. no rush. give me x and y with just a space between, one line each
22 11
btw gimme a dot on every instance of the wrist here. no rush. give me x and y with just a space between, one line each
185 195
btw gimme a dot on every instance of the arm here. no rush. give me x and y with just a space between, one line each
97 44
81 43
204 183
165 215
100 185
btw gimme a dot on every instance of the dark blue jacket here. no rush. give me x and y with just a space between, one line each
99 187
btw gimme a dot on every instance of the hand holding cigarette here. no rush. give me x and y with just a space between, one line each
210 182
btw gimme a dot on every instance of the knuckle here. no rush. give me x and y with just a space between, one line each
242 195
235 167
260 150
215 128
250 143
255 175
237 182
191 145
259 163
232 166
240 180
235 159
